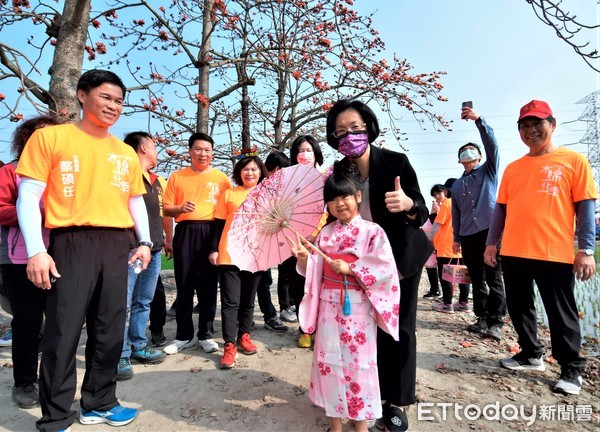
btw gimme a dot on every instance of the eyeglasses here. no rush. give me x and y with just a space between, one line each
355 128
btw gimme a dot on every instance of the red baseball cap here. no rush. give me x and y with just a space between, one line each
536 108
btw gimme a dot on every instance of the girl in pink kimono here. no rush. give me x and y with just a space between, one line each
346 297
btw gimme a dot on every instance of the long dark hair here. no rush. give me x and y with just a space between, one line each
24 131
295 147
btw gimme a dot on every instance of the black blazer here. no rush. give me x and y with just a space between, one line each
409 242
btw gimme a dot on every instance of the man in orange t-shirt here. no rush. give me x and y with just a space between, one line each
82 171
191 197
539 197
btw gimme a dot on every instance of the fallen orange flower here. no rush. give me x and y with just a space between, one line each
466 344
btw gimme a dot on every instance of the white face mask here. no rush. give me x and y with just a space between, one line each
468 155
306 158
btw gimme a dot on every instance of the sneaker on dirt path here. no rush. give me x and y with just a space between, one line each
124 369
26 396
229 355
288 315
179 345
148 355
245 344
520 362
158 339
116 416
570 382
208 345
275 325
444 308
478 327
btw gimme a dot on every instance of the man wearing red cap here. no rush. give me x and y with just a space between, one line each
539 197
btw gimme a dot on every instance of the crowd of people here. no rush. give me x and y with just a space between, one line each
65 261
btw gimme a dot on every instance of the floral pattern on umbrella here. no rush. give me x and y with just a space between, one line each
288 202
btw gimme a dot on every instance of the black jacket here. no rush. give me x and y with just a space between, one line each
409 242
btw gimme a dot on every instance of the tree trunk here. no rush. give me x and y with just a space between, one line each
68 59
204 66
245 105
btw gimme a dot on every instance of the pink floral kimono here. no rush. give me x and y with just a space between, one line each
344 379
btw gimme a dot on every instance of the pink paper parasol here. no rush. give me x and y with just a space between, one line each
288 202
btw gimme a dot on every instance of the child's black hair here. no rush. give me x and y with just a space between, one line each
343 181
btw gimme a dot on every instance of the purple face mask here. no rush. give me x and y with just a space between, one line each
353 145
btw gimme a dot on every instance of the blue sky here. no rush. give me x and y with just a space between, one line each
497 54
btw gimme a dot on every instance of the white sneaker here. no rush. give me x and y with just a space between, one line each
517 362
288 315
179 345
570 382
208 345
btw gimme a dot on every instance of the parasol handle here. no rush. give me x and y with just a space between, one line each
312 246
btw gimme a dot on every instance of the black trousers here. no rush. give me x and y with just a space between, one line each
447 287
283 282
92 289
397 361
158 308
264 296
434 280
194 273
555 282
488 301
238 291
27 303
293 280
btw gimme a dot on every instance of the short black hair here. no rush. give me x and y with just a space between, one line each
343 181
437 188
365 112
469 144
96 77
237 169
200 136
550 119
294 149
276 159
134 139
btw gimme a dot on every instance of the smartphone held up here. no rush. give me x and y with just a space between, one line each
466 104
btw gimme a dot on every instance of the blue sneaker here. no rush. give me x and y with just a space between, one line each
124 369
148 355
116 416
6 339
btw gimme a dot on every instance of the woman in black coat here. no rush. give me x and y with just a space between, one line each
392 199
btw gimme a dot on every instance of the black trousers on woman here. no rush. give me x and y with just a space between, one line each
27 303
238 292
447 287
397 360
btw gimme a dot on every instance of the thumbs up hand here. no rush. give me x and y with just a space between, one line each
397 201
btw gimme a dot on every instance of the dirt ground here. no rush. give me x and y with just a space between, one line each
268 391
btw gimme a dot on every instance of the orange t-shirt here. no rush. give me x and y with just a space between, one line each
203 189
229 202
88 180
442 242
539 192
